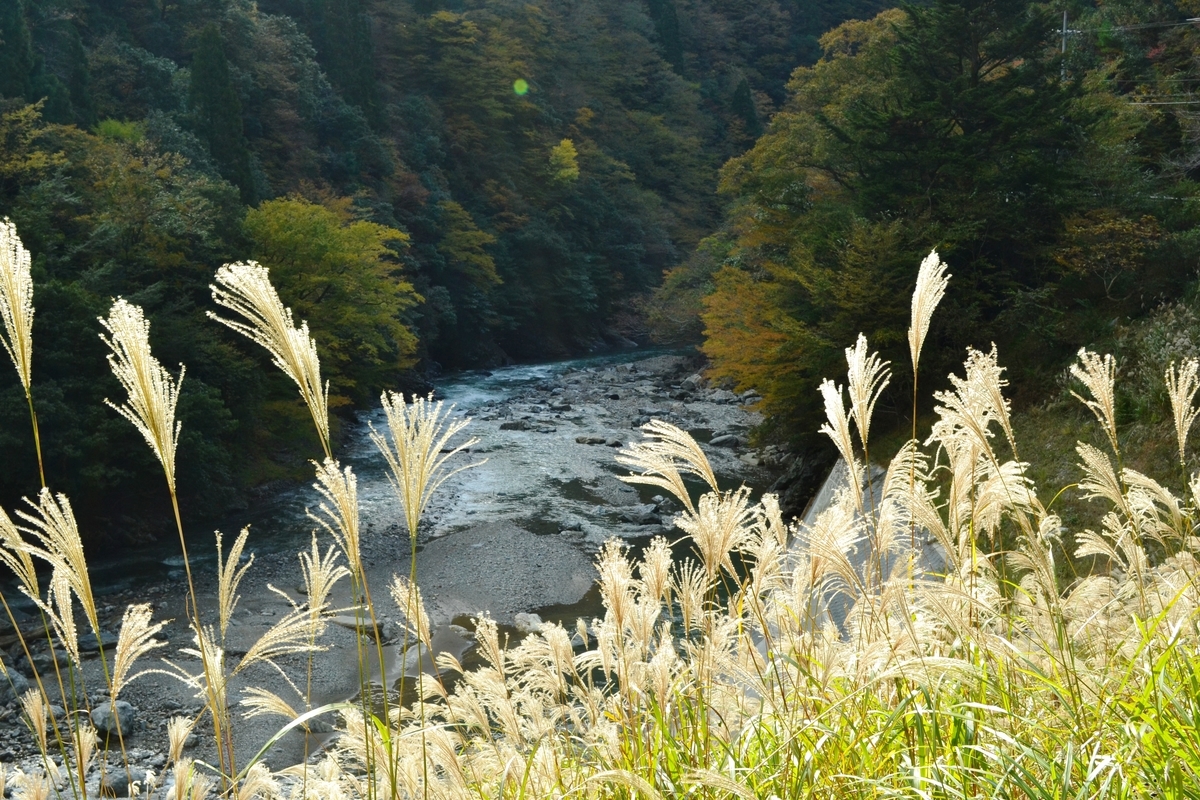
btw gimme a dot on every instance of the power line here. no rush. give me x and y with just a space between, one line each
1137 27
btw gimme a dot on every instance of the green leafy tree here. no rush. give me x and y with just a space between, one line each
340 274
944 126
564 162
341 31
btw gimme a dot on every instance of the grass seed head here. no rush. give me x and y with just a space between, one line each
868 376
15 555
33 705
1182 385
136 640
339 513
245 289
418 450
229 575
16 302
665 455
932 280
152 394
178 729
1099 374
52 524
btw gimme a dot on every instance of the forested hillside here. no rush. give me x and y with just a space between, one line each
433 185
1055 170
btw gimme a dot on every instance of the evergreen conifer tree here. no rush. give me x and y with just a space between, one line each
217 112
666 25
17 61
341 31
742 106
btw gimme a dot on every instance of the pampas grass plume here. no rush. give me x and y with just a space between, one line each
136 640
52 523
666 454
178 729
33 704
339 512
1182 385
245 289
867 376
229 575
1098 374
16 302
152 393
932 280
419 449
15 555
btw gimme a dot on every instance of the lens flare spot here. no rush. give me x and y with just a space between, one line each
521 86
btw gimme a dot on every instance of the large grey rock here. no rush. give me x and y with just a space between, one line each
12 686
527 623
88 643
106 721
929 557
115 782
386 631
641 514
726 440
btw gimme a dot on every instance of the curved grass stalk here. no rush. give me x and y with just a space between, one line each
151 399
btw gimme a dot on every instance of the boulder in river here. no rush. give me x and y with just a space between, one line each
641 514
527 623
726 440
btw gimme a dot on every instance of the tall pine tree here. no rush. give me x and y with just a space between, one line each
341 31
16 51
666 25
217 112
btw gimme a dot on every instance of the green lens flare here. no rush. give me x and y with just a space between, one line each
520 86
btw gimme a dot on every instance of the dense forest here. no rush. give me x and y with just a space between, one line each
439 184
1050 155
433 185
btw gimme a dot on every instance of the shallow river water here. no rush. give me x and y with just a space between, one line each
540 479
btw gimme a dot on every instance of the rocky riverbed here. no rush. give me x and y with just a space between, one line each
513 538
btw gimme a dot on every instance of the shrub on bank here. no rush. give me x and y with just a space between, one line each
722 675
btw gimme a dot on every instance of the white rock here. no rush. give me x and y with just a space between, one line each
528 623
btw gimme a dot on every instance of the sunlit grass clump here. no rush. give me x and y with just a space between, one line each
912 640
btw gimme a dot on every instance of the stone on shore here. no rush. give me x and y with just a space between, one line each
106 721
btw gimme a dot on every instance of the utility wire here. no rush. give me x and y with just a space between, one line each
1138 27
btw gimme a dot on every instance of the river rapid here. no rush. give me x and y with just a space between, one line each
512 537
